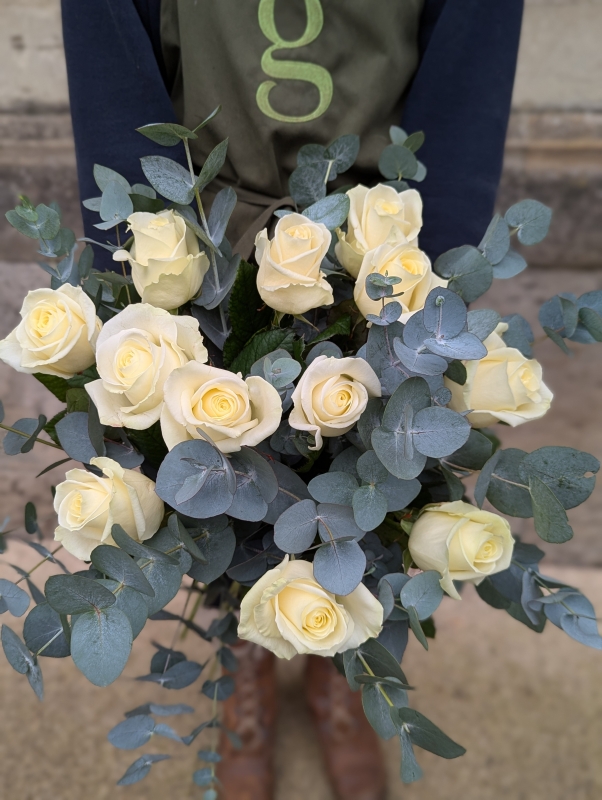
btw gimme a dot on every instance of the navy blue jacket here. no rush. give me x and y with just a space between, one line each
460 96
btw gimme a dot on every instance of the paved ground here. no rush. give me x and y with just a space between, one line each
527 707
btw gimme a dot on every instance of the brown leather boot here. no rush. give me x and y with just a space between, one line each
351 748
247 774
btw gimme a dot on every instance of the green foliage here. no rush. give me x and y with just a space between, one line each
248 315
58 386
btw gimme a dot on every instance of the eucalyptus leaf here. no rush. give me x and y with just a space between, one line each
256 485
468 271
482 322
564 470
140 768
331 211
193 479
333 487
101 641
13 598
549 516
116 564
532 220
103 176
170 179
296 528
511 265
339 566
307 183
213 164
370 507
133 732
496 242
73 594
397 162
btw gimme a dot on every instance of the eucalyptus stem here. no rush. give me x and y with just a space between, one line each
179 625
380 688
39 564
199 203
27 436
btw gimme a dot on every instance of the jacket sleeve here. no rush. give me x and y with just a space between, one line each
460 97
116 84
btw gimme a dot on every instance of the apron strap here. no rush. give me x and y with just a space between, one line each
244 246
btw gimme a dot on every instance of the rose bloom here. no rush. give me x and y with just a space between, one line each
88 506
380 215
504 386
233 413
288 612
461 542
136 352
167 266
289 278
57 333
332 395
401 261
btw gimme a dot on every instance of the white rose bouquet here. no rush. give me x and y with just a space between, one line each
286 440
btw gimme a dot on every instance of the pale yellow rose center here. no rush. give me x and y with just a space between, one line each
412 266
158 222
491 550
131 361
474 547
319 622
82 505
300 232
221 405
44 319
385 208
339 401
531 382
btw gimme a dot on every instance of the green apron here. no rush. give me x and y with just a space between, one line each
287 73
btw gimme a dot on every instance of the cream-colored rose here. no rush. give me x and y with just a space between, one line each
233 413
135 354
57 333
380 215
504 386
288 612
331 396
88 506
289 278
167 266
460 542
401 261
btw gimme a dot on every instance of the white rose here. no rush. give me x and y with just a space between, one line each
460 542
504 386
167 267
233 413
88 506
56 335
135 354
331 396
380 215
289 278
401 261
288 612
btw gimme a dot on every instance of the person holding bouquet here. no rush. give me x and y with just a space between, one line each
287 74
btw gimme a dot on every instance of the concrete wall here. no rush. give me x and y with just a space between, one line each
554 150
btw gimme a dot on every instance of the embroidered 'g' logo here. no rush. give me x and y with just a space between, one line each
292 70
